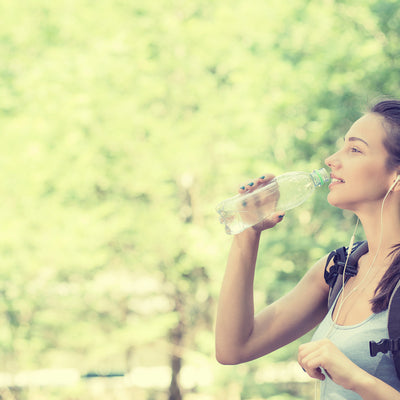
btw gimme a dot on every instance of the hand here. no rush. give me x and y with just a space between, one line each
323 356
261 204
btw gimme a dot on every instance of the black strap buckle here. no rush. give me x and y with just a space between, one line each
351 270
383 346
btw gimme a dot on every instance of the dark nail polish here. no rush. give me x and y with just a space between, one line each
242 187
262 177
280 216
244 204
250 184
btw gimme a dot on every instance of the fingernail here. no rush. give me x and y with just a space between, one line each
280 216
244 204
242 187
303 369
262 177
250 184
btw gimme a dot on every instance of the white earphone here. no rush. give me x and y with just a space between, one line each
394 183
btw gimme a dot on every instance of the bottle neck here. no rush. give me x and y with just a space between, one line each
320 177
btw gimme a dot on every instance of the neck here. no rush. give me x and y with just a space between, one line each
382 231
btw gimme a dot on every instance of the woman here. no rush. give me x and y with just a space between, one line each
364 179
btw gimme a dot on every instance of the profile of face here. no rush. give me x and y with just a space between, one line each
359 172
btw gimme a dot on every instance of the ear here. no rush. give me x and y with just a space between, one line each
395 185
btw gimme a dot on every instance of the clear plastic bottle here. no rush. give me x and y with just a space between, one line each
283 193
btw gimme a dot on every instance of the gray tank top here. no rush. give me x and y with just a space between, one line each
353 341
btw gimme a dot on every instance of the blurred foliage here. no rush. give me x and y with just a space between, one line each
124 123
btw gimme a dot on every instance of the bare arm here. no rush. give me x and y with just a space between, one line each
235 316
372 388
240 335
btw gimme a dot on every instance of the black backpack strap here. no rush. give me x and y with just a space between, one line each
393 343
334 276
394 326
359 249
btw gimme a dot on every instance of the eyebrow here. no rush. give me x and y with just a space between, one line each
354 139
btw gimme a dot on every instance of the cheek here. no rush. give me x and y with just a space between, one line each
372 187
372 176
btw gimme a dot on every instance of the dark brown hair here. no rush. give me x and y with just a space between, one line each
390 111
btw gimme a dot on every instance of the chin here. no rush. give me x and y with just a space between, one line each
335 202
331 200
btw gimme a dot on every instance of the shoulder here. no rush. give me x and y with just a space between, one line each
314 279
339 261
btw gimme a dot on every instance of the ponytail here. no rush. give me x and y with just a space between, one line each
384 290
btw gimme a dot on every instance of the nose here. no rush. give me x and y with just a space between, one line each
332 160
328 162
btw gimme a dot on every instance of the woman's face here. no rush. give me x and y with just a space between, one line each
358 170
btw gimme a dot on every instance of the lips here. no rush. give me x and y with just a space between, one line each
336 180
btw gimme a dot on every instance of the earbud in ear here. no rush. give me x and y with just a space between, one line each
394 183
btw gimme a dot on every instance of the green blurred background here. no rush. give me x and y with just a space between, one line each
123 123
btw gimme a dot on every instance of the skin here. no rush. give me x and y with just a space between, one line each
242 335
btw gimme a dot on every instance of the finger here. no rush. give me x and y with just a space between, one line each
248 187
269 222
313 369
265 178
275 218
316 373
307 356
309 359
279 216
255 183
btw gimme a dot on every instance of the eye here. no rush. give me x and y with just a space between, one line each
355 150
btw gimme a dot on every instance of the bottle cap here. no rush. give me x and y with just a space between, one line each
320 176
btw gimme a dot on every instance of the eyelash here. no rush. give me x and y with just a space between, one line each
355 150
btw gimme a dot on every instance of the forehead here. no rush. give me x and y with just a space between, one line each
369 128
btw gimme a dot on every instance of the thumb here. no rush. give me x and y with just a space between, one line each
278 216
269 222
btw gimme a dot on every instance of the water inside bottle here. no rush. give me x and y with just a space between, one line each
246 210
281 194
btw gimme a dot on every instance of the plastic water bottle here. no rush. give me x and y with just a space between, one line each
282 193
